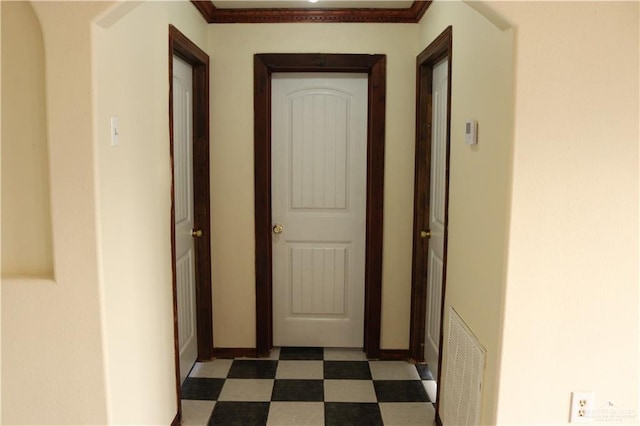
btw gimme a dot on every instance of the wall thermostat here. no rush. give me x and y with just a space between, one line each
471 132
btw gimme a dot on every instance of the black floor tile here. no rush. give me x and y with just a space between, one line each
240 414
295 353
400 391
298 390
201 388
424 371
350 414
252 369
358 370
230 413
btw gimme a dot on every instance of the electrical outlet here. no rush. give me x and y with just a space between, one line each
581 407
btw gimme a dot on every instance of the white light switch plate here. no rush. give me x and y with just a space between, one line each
471 132
115 130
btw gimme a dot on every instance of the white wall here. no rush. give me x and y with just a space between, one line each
134 183
52 366
481 89
231 48
571 307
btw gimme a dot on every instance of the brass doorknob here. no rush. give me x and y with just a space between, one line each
196 233
277 229
425 234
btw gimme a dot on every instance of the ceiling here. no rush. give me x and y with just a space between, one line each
270 11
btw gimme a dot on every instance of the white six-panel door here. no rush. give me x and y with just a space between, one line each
183 193
435 252
319 131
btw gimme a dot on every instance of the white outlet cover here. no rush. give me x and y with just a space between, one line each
582 404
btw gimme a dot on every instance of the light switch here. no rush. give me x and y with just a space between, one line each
471 132
115 131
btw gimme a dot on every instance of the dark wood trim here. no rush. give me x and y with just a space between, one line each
439 49
235 353
375 67
420 198
177 421
438 419
214 15
181 46
206 9
419 8
394 354
262 185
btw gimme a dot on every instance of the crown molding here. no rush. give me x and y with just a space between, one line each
214 15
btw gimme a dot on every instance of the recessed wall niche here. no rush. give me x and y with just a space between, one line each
26 209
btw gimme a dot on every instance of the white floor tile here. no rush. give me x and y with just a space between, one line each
254 390
340 354
432 389
407 413
349 391
301 370
393 370
217 369
274 355
196 412
296 414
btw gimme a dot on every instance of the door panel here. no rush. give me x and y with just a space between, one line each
318 278
184 220
437 220
318 196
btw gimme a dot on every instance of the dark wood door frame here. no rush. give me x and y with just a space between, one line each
375 67
182 47
439 49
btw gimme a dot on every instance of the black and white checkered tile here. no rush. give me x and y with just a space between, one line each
307 386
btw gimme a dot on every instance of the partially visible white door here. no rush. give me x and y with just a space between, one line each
183 194
319 140
435 252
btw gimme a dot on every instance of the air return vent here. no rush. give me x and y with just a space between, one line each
462 387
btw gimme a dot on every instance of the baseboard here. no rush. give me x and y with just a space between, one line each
176 419
234 352
394 354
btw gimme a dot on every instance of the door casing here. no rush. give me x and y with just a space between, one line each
375 67
439 49
185 49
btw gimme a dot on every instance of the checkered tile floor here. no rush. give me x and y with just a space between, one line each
308 386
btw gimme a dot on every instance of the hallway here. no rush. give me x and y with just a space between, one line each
308 386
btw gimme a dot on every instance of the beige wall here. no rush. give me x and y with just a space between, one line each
0 222
231 49
571 294
571 307
52 367
96 345
26 212
479 185
134 183
571 298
